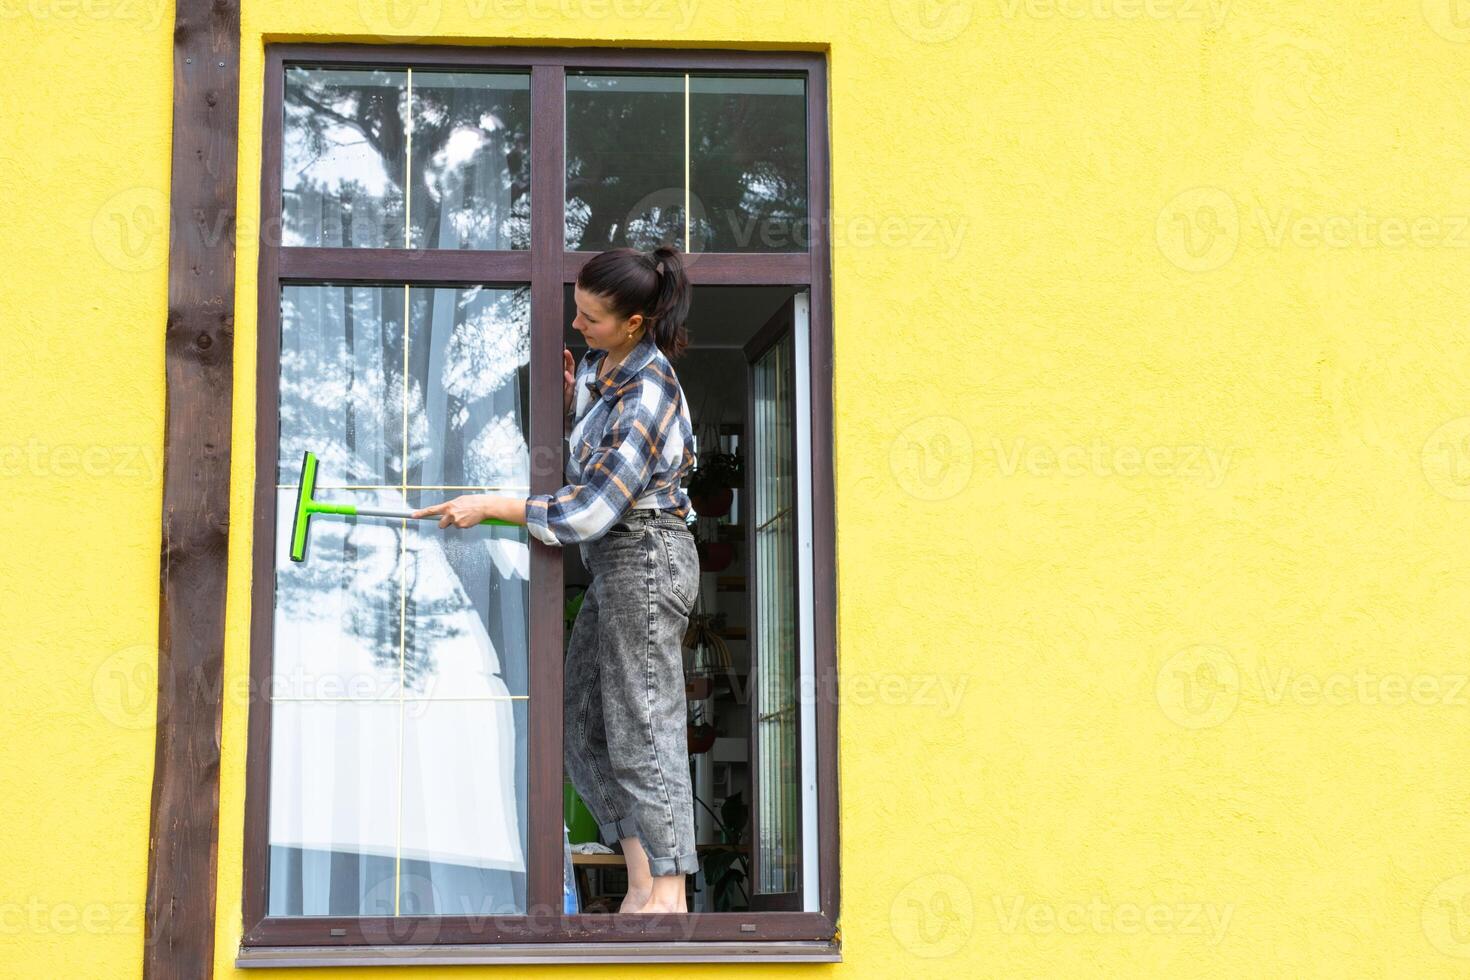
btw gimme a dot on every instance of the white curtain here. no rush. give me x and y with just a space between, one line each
398 769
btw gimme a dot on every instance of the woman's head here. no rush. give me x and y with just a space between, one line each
623 290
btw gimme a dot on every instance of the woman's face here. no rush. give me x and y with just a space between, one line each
600 326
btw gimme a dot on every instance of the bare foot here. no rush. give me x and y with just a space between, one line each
657 908
634 901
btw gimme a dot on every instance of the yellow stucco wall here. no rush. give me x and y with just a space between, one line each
1153 447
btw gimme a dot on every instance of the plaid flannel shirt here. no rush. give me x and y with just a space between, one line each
630 447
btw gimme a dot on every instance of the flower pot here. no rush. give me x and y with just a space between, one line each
713 504
715 556
701 738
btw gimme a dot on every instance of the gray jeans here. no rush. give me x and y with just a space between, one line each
627 752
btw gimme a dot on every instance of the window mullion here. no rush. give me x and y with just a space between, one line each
548 207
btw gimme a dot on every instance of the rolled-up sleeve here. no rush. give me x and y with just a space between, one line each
614 475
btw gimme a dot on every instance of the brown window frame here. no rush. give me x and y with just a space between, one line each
544 933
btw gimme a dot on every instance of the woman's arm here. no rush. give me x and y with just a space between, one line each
614 475
470 509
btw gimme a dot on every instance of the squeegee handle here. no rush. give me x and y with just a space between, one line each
398 512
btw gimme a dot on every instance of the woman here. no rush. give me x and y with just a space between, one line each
630 446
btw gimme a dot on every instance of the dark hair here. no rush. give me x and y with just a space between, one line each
630 281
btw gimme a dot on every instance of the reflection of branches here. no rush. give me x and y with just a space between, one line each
342 388
485 351
364 568
357 568
749 169
329 395
464 136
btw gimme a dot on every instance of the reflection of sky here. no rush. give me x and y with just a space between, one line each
347 158
327 156
462 144
499 455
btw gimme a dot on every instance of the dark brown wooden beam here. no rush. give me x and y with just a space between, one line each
199 345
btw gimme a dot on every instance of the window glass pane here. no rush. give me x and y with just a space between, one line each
469 370
358 827
464 808
745 154
342 383
336 614
398 737
333 807
747 165
471 164
467 605
343 394
343 156
777 748
625 161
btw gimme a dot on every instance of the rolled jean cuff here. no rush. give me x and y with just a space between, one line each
616 830
683 864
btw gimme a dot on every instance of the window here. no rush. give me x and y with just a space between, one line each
404 780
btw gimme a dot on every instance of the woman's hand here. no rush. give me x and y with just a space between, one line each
470 509
466 510
568 381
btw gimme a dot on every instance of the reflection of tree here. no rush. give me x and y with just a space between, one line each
470 347
325 113
471 141
428 619
361 563
343 392
748 168
333 400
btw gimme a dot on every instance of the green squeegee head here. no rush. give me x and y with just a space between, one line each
307 505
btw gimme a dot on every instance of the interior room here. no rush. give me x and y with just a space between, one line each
740 653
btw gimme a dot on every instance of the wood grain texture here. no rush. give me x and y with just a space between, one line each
199 349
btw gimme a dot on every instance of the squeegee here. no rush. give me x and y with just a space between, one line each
307 505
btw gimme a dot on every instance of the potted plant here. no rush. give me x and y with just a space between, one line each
724 867
712 485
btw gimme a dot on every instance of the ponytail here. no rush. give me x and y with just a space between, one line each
652 283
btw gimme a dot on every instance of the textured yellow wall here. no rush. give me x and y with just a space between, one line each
1153 471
